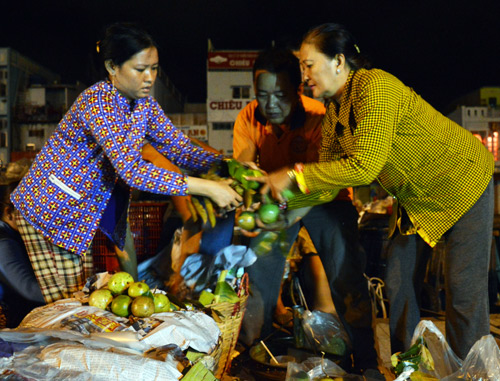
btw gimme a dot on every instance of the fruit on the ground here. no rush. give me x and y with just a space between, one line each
100 298
143 306
162 304
269 213
119 282
121 305
246 220
137 289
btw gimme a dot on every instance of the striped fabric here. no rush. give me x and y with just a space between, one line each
384 131
58 272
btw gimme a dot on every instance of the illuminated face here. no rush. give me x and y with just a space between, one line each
136 76
276 96
319 72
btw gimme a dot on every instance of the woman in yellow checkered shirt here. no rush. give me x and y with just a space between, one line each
378 129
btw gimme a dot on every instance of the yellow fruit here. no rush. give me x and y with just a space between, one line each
100 298
121 305
119 282
137 289
143 306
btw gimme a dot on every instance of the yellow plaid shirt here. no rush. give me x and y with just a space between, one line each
384 131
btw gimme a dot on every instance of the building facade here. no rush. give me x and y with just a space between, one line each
484 123
229 90
17 73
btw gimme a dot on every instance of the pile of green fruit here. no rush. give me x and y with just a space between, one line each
125 297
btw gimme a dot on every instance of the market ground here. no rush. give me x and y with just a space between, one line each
382 344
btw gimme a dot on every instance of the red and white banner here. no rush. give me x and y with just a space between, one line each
223 60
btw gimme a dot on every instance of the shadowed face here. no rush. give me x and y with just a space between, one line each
276 96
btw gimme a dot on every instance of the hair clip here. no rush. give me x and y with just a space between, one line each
357 48
98 46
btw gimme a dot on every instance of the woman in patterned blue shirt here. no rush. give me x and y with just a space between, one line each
81 179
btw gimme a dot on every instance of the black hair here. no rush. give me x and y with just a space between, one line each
279 60
5 191
122 41
332 39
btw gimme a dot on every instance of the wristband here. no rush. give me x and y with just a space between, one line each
292 175
299 177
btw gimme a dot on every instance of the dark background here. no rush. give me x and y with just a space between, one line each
443 49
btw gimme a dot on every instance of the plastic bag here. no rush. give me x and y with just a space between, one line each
444 360
482 362
315 368
324 332
200 271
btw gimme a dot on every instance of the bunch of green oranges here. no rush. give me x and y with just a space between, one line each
125 297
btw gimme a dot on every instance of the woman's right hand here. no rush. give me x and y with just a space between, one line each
275 182
218 191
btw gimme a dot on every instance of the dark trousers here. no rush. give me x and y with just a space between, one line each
468 250
334 231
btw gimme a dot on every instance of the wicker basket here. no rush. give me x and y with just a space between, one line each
229 325
146 221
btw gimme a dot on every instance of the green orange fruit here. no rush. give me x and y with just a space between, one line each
246 220
269 213
162 303
100 298
143 306
119 282
121 305
137 289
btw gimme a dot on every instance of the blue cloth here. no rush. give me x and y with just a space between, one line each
467 257
221 236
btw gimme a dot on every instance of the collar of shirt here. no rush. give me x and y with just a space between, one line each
125 105
343 112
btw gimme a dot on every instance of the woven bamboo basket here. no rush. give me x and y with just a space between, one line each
229 325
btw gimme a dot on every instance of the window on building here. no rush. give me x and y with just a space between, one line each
3 139
492 102
223 125
241 92
3 89
37 133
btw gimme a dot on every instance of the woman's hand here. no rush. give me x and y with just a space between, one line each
218 191
275 182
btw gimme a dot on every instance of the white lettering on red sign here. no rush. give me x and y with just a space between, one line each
239 63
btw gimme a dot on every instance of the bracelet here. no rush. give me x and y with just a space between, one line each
292 175
299 177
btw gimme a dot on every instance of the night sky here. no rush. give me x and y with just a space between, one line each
443 49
